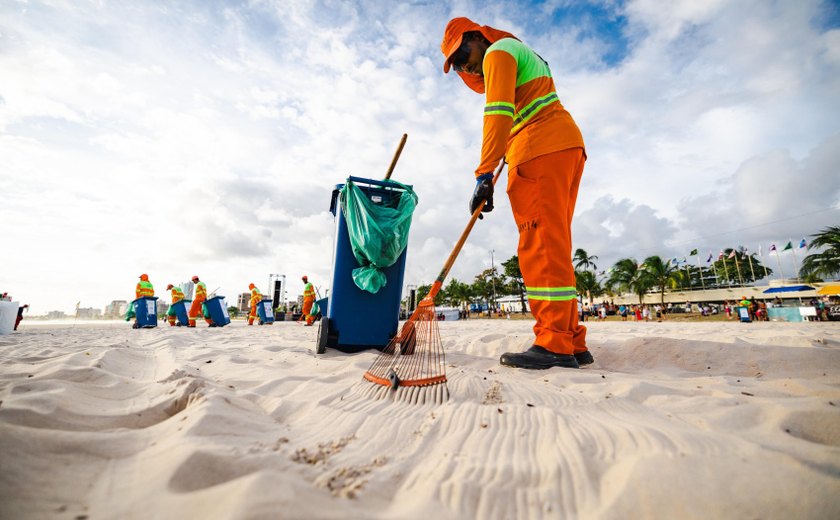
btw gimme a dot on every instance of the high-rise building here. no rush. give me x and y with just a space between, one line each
116 309
89 313
243 303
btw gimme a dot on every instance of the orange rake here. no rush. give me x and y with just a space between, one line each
413 362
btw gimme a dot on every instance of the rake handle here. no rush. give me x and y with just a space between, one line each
457 249
396 156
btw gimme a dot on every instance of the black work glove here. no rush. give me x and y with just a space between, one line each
483 193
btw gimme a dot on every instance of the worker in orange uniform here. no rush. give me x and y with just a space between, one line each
525 123
144 288
308 301
198 301
177 295
256 298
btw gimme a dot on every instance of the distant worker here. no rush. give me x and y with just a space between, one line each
20 314
144 289
177 295
308 301
198 302
256 298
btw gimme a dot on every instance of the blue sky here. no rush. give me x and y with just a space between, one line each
181 138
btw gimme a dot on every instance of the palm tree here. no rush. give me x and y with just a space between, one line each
458 294
827 263
586 282
582 259
627 275
664 275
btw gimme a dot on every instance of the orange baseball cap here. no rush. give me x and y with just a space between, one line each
453 35
144 277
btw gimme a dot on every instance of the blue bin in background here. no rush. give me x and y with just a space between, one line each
352 319
217 308
265 312
322 306
744 315
182 309
145 309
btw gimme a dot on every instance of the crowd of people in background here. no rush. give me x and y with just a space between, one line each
756 309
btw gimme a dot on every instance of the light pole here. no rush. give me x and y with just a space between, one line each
493 277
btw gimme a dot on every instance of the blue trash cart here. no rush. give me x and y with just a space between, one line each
182 309
145 309
265 312
217 308
352 319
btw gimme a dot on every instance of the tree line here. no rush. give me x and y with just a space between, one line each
734 267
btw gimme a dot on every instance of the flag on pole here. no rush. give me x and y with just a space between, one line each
732 254
759 250
745 253
720 255
77 305
802 244
772 247
693 252
788 246
710 257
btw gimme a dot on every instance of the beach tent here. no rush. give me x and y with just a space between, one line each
829 290
790 288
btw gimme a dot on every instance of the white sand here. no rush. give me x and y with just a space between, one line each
674 420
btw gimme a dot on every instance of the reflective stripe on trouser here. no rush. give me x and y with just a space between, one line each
542 195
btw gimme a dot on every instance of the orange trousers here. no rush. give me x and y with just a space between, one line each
307 309
195 310
542 195
252 315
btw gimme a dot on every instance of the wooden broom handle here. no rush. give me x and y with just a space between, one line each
454 254
396 157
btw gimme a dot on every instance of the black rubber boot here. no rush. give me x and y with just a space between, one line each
584 358
538 358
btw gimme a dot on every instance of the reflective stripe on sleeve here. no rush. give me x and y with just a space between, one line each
499 108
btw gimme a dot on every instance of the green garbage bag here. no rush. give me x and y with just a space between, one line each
130 313
378 231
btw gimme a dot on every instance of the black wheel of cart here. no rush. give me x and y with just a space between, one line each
323 335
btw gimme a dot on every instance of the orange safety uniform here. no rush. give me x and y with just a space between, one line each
195 308
256 298
144 287
177 295
525 122
308 302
